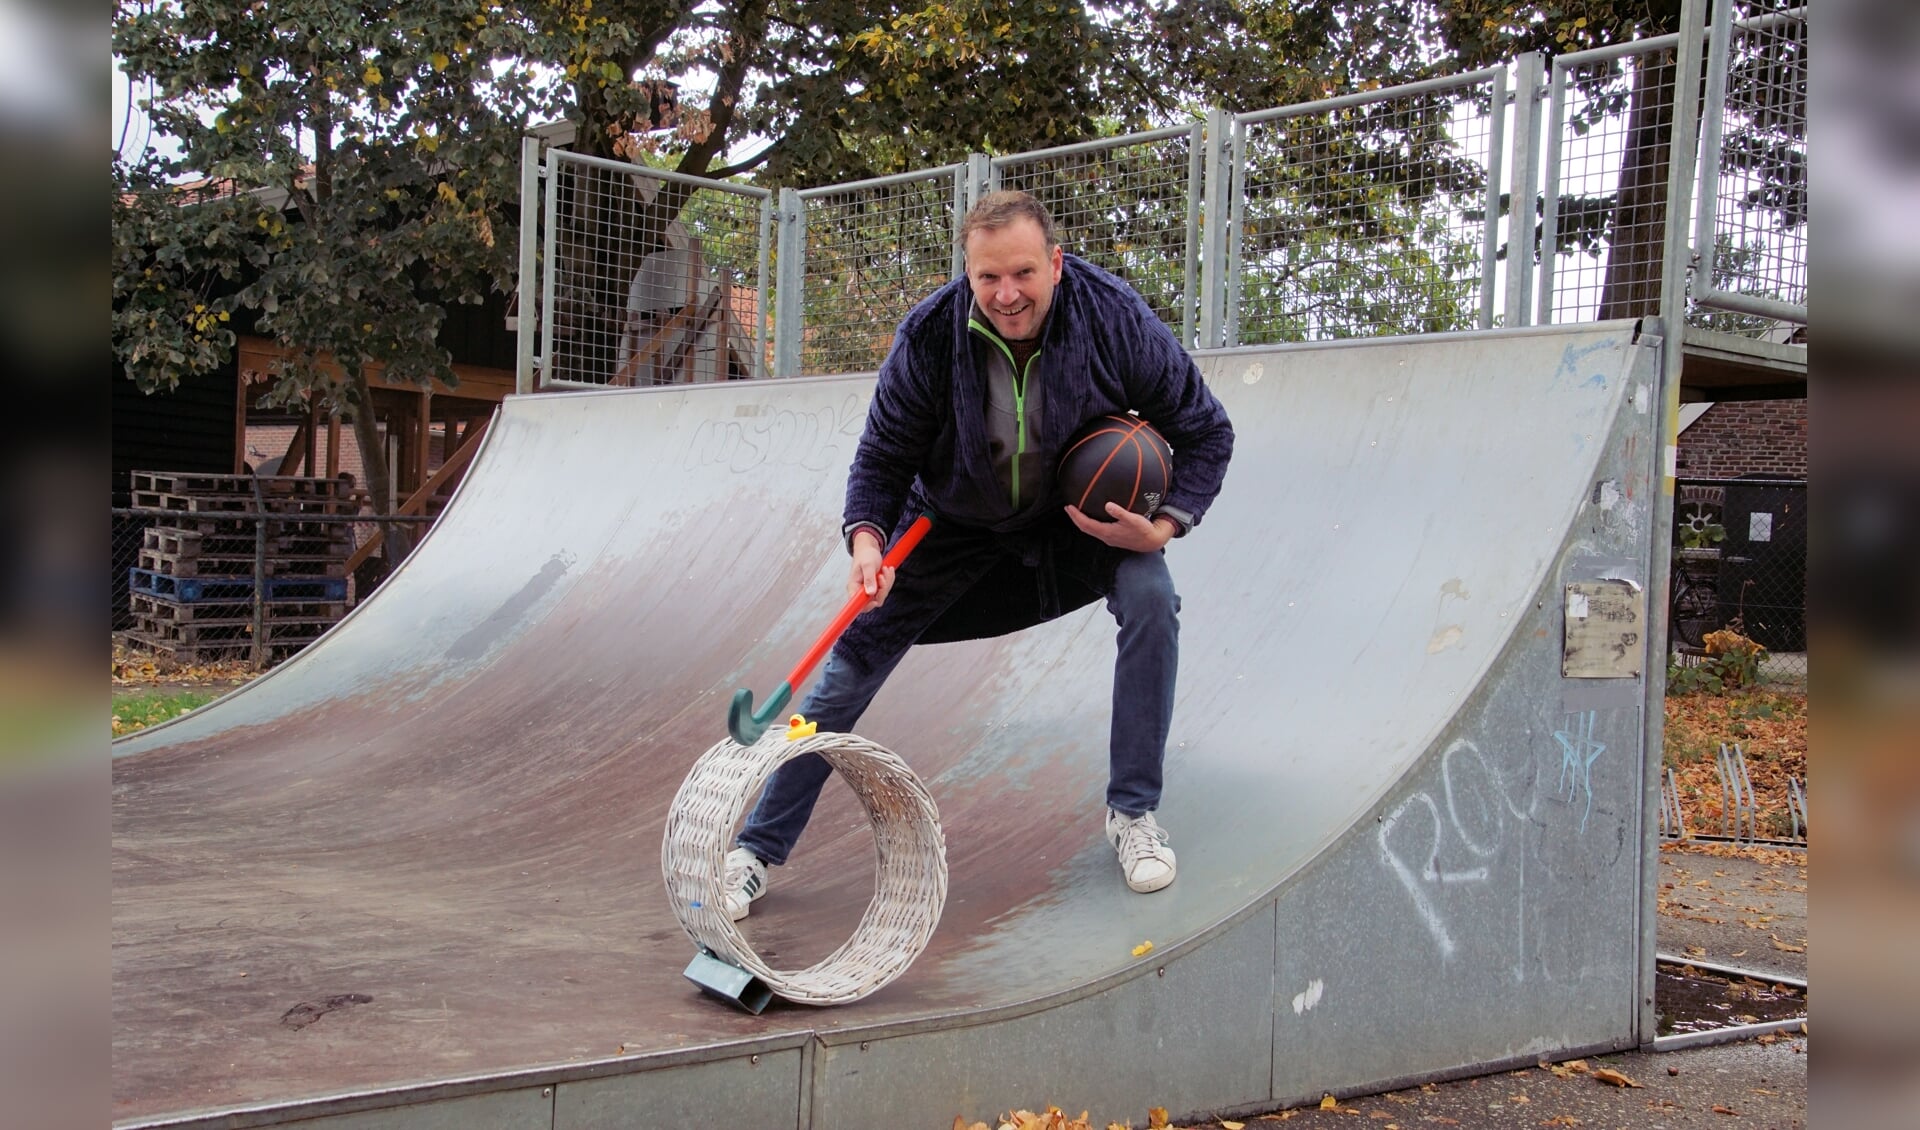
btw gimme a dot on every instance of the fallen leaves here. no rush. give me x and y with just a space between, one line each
1052 1119
1785 948
1770 726
1609 1075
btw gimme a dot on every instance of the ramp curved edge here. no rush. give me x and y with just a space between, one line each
1371 708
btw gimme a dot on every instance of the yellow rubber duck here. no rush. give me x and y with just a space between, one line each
798 727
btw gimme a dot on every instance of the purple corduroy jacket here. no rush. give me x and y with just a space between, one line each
1103 351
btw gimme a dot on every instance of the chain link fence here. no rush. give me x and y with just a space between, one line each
217 568
1740 565
870 250
1421 208
1604 213
1367 215
1128 204
653 277
1753 197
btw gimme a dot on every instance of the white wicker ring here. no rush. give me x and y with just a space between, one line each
910 876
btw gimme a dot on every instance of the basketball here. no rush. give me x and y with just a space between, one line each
1116 459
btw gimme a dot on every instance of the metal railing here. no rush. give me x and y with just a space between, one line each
1369 214
1537 192
1603 211
859 256
1129 204
1751 229
652 277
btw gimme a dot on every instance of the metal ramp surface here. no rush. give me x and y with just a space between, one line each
1409 846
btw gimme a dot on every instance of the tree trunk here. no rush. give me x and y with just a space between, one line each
1632 286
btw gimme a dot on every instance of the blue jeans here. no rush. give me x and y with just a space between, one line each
1140 595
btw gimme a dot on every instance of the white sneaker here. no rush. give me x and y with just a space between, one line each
1145 858
746 880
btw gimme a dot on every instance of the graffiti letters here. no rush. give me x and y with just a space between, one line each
761 435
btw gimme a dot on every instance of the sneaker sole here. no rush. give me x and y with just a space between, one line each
1149 888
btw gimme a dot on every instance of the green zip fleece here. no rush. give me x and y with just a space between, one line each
1013 414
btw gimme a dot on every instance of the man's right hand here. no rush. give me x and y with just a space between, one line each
868 577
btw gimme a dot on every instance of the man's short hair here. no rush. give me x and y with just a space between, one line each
996 210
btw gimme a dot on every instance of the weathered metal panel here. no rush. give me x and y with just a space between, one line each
1497 883
1190 1032
759 1091
529 1108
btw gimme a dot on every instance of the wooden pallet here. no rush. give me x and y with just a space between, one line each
238 503
189 647
271 486
179 529
197 564
231 613
203 589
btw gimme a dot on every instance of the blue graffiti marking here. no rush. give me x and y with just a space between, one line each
1570 363
1578 752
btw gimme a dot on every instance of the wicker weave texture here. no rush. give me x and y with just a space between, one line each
910 876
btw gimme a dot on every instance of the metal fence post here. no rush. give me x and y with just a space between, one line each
1190 274
1490 234
790 286
1236 160
1673 312
1526 154
260 648
1707 194
980 178
762 312
1217 177
1550 199
550 247
527 313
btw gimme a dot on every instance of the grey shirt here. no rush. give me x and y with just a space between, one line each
1014 405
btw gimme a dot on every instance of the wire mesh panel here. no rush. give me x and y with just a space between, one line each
1604 212
873 249
653 277
1366 215
1753 207
1130 204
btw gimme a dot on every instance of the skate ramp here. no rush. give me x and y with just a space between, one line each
1400 855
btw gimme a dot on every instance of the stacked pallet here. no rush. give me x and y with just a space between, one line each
205 563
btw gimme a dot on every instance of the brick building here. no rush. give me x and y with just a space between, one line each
1746 437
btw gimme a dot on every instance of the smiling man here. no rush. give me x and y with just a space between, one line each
987 379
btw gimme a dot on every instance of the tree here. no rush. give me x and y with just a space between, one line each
1261 53
355 166
391 130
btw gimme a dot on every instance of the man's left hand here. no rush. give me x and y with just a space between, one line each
1127 530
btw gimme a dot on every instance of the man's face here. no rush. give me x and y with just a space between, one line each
1013 273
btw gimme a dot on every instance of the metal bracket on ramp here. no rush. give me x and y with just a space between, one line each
728 982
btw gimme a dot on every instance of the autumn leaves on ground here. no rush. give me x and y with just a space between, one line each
1769 726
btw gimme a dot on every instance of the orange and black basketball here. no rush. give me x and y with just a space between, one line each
1116 459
